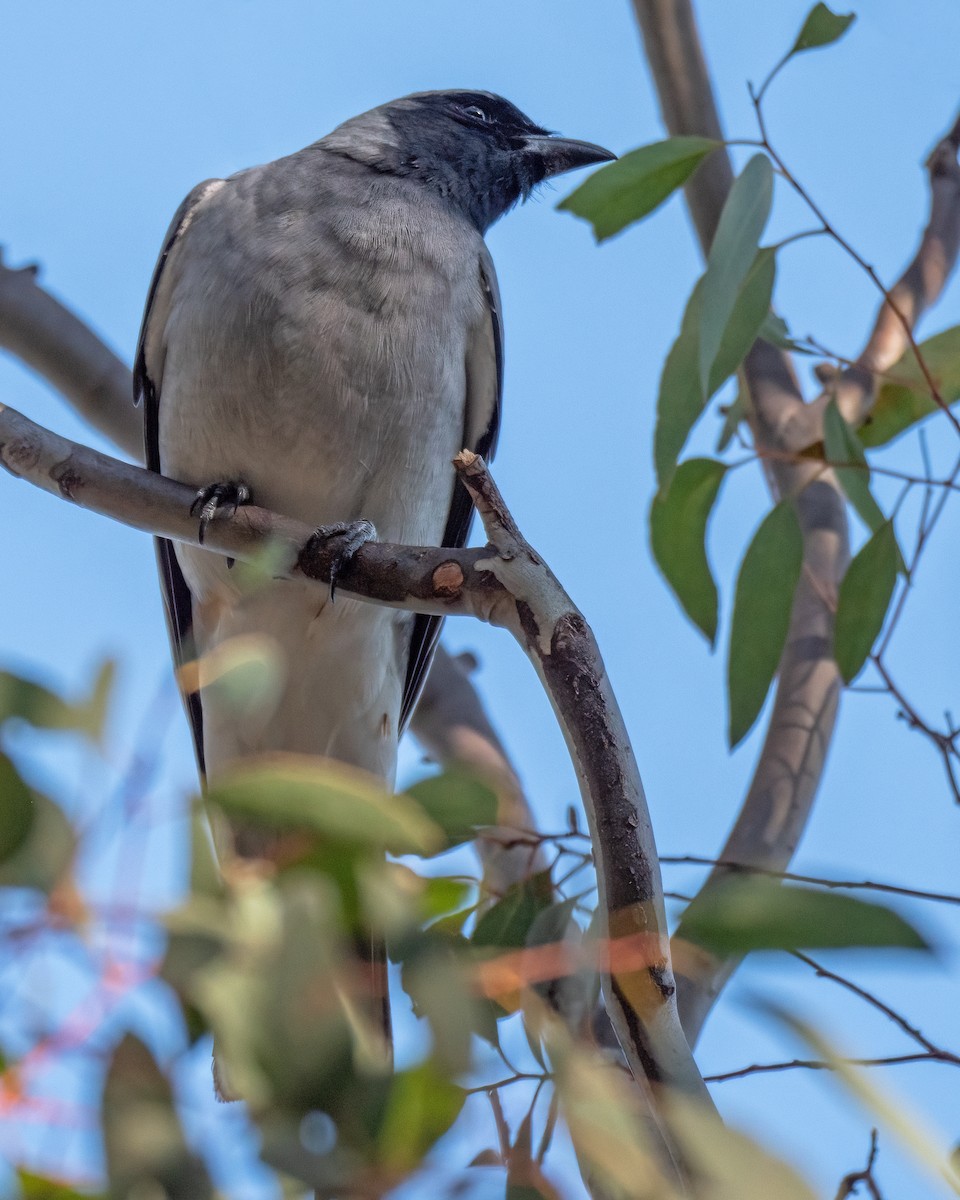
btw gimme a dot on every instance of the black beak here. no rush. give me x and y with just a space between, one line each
564 154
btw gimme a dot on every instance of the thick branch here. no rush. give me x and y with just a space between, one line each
452 724
778 803
48 337
505 583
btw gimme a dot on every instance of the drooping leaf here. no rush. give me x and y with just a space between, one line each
422 1105
458 802
681 399
821 28
506 924
864 597
734 414
752 912
42 857
297 792
678 528
16 809
904 396
732 254
761 614
626 190
843 446
28 701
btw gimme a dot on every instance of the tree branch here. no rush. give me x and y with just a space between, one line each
505 583
48 337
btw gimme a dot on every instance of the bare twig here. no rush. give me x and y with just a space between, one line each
853 885
849 1184
818 1064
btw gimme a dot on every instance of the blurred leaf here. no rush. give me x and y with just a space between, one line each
843 446
38 706
506 924
732 254
458 802
821 28
626 190
39 1187
904 395
678 529
865 593
245 674
44 855
728 1164
145 1146
761 614
443 895
16 809
681 398
422 1106
292 791
750 912
605 1117
439 987
912 1129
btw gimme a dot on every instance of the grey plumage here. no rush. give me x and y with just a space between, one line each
326 330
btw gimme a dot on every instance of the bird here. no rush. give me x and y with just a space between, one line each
322 334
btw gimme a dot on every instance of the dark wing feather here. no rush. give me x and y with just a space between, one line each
147 374
482 426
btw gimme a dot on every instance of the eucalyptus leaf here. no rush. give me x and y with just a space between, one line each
732 254
678 528
752 912
16 809
864 597
37 705
822 27
904 398
458 802
761 614
845 453
632 187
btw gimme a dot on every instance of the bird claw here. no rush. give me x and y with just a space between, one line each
215 498
351 535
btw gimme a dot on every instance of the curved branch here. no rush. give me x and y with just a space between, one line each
48 337
505 583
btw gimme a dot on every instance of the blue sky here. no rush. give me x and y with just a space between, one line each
110 112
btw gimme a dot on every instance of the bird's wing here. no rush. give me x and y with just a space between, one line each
484 378
147 380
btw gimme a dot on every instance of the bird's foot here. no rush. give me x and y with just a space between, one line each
337 544
218 497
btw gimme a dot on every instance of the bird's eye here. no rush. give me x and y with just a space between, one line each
477 113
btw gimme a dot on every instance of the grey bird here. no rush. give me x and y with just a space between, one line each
323 334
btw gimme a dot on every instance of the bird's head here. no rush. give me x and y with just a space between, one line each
475 149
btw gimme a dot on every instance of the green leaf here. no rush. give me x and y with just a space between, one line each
422 1106
734 414
628 189
16 809
39 706
821 28
458 802
761 614
843 446
732 254
904 396
38 1187
751 912
678 528
147 1153
681 399
865 594
44 855
506 924
291 791
774 330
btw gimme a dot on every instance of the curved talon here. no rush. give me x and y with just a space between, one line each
213 498
352 534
